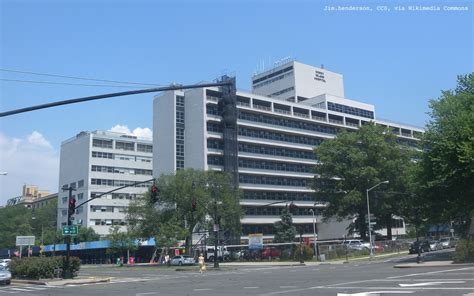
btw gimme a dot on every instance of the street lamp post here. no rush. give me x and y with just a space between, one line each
368 217
314 234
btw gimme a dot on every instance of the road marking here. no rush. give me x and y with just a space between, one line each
250 287
287 287
206 289
376 293
431 272
430 284
19 289
145 293
36 288
315 269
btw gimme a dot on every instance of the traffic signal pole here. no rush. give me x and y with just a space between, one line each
67 274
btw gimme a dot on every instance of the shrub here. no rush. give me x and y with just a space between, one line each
40 267
464 251
307 253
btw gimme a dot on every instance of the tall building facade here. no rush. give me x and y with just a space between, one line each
31 197
292 108
96 162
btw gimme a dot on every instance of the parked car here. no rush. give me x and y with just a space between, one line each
5 262
447 242
355 244
5 276
378 247
271 252
435 245
182 260
424 246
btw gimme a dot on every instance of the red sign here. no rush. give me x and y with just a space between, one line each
176 252
132 260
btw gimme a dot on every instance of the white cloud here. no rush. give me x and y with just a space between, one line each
139 132
37 139
29 160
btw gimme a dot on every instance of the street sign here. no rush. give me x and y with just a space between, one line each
25 240
70 230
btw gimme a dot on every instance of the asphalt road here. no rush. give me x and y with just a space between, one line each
362 278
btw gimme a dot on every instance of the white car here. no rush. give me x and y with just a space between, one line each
5 276
5 262
183 260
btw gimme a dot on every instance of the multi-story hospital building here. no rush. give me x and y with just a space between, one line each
292 108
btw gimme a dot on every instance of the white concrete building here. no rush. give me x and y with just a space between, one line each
292 108
97 162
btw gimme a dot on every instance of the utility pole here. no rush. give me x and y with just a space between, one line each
216 232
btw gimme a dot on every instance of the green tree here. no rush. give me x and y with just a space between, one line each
86 234
14 221
43 223
173 217
284 230
355 161
446 172
121 241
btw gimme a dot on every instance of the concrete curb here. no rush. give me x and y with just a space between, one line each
62 282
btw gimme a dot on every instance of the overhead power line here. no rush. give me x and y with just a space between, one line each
65 83
76 77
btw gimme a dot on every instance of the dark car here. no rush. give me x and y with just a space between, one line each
424 246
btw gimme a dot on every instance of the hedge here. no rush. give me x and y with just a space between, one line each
40 267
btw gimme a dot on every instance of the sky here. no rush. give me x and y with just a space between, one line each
396 60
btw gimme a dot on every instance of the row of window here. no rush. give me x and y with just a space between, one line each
277 211
74 185
275 136
264 165
180 129
271 180
129 146
107 222
282 91
286 122
108 209
276 73
107 155
117 183
277 195
117 170
80 196
269 229
261 149
126 196
350 110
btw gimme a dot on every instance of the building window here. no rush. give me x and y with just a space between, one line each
144 148
80 183
102 143
125 146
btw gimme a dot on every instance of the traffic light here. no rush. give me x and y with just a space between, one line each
194 204
292 207
72 206
154 193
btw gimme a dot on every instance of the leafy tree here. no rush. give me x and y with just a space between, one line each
14 221
86 234
43 223
173 217
355 161
121 241
446 171
284 230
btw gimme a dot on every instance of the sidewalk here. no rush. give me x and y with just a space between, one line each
62 282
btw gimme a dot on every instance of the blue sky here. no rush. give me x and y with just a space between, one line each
396 61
